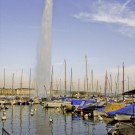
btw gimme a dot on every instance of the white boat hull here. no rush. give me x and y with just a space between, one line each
122 117
53 104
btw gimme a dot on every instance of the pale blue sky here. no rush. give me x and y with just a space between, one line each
104 30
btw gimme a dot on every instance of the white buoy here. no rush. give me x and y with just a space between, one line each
4 115
32 112
58 109
50 120
89 114
99 117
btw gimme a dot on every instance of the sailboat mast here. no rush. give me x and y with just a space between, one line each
111 84
12 84
128 83
29 82
86 74
65 77
123 81
21 81
116 85
97 88
105 86
79 86
84 84
118 80
4 79
100 90
4 82
60 85
92 81
57 87
71 83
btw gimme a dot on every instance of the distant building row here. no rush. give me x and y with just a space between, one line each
17 92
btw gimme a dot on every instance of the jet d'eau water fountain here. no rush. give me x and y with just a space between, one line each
44 50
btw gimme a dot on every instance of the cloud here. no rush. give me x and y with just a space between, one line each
111 13
128 31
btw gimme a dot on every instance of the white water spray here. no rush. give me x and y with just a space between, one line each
44 50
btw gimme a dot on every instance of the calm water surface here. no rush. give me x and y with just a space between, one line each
20 122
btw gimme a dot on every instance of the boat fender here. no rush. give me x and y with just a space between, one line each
81 113
89 114
114 132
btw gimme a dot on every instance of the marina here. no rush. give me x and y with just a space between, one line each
54 117
67 67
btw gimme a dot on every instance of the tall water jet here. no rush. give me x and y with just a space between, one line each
44 50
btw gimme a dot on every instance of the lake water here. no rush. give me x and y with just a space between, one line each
20 122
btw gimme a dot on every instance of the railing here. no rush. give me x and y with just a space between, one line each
4 132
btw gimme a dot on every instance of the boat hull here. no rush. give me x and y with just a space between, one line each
122 117
53 104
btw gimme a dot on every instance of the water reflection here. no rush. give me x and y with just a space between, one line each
12 125
20 122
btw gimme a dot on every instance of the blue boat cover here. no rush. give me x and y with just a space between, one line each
85 102
111 101
79 101
76 101
127 110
